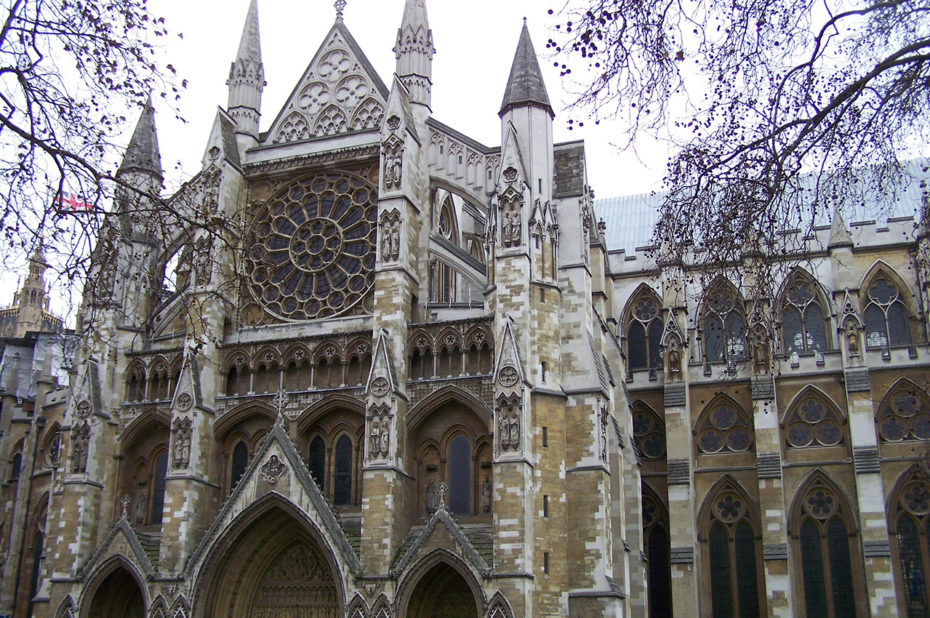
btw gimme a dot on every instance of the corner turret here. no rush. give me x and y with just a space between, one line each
247 81
414 51
142 158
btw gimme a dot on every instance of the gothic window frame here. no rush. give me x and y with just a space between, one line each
644 413
297 369
136 382
16 464
52 446
422 355
236 441
655 518
894 422
724 303
875 305
447 224
158 380
789 300
645 314
159 453
479 445
910 499
329 355
728 505
825 428
811 501
726 428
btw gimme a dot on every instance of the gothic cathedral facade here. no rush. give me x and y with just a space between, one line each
383 370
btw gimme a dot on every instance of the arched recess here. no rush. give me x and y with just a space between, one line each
117 590
887 304
804 310
500 607
642 328
729 529
908 511
813 419
440 584
239 433
904 413
143 467
331 439
824 531
449 440
272 549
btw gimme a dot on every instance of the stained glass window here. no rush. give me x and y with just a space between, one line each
658 550
649 433
887 322
724 428
904 415
16 466
912 530
724 326
804 326
826 554
460 475
240 460
813 423
644 334
734 580
342 477
318 461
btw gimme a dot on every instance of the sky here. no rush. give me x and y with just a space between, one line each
475 43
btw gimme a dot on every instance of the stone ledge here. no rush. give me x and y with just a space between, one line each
762 388
866 458
682 555
775 551
768 465
679 472
858 381
876 549
675 395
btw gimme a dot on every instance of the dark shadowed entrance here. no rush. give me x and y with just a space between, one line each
118 596
442 593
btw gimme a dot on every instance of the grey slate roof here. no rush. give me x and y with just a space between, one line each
142 153
525 84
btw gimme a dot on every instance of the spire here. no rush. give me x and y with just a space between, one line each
525 85
142 153
247 77
414 51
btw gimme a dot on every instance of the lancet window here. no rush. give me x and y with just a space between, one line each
904 414
732 554
824 523
724 325
240 461
887 322
658 551
804 322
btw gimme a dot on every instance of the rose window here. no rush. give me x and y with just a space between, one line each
310 252
813 423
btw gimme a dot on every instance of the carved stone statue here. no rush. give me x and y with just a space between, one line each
431 497
374 439
673 359
852 338
486 495
385 441
393 166
139 507
760 351
514 431
80 441
511 228
503 431
182 443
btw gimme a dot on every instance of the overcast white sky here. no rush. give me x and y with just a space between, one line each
475 43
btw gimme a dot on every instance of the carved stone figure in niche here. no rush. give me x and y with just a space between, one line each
852 338
390 238
486 495
203 259
374 439
504 432
80 441
511 228
603 424
673 359
760 350
393 165
508 425
182 442
139 509
431 496
385 441
514 431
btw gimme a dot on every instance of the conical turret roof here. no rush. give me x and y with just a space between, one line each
142 153
525 85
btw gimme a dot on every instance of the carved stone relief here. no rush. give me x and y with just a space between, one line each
390 236
182 443
379 432
508 425
80 443
393 155
273 469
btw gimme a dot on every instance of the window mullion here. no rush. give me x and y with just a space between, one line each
827 568
734 576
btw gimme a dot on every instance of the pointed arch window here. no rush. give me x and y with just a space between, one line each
732 556
904 415
240 460
724 326
342 471
724 428
648 433
911 527
656 541
158 487
804 322
813 422
16 466
318 461
460 475
644 333
887 322
826 553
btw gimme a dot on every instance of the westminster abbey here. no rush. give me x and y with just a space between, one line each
384 370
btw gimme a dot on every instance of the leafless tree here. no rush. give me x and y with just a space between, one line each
780 111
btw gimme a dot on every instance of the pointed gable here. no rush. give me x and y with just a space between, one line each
340 92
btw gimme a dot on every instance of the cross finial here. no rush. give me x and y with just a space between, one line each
124 502
443 489
280 401
340 7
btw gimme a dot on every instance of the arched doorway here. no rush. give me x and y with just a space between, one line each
442 591
117 596
273 567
